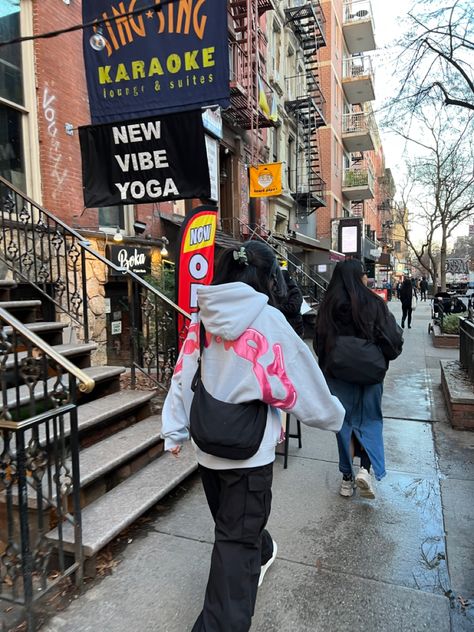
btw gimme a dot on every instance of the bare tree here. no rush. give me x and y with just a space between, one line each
426 250
436 63
440 187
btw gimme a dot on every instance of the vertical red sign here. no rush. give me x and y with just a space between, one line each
195 264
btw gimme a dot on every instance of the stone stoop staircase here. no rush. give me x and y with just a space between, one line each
123 469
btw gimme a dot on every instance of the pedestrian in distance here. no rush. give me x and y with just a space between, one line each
407 298
423 288
290 303
398 288
356 337
246 355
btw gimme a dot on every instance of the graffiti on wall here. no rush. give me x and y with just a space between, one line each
54 152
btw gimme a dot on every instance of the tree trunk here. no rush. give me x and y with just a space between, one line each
442 262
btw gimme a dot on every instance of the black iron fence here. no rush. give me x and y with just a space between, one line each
466 346
153 323
39 465
40 249
43 251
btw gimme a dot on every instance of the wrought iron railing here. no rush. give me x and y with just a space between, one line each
357 66
466 345
358 122
310 286
42 250
51 256
356 10
154 333
39 465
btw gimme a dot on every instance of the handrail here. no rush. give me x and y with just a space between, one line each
23 195
86 383
85 244
254 233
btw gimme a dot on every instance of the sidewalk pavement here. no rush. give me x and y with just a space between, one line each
403 562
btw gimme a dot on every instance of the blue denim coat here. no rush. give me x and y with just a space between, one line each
363 406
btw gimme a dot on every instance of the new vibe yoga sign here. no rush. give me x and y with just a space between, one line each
147 160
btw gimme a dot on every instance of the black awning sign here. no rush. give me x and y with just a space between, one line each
148 160
136 260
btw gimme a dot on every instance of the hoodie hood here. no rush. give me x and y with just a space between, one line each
227 310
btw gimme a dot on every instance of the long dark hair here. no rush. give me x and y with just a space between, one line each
255 264
346 291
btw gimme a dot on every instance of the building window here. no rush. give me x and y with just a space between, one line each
276 143
111 217
398 246
12 111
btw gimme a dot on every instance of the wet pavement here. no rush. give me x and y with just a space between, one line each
403 562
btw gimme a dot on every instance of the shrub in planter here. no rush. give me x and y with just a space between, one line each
450 324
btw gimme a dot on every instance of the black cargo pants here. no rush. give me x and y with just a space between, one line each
240 502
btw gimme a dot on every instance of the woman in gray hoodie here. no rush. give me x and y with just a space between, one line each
251 353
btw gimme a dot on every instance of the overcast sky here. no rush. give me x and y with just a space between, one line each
388 17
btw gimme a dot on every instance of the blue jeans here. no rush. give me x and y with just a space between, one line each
363 405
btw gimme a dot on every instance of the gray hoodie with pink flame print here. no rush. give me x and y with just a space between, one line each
251 353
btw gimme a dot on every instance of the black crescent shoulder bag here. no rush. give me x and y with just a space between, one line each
229 431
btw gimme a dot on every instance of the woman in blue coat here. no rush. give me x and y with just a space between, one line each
349 308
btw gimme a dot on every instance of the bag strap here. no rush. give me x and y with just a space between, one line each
202 339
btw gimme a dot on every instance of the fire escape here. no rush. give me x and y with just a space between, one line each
307 107
248 50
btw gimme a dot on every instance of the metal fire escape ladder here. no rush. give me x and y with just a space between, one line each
244 111
254 66
307 107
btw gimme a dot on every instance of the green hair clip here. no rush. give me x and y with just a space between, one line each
241 256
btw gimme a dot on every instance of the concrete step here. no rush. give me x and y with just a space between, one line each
106 517
26 311
78 354
107 407
68 351
20 305
115 406
50 332
107 455
102 459
98 373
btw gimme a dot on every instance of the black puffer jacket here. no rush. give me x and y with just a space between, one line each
290 305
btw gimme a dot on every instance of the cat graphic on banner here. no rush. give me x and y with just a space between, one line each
265 180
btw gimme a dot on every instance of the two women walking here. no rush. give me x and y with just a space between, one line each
244 355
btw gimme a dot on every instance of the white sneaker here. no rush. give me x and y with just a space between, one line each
347 488
266 566
363 480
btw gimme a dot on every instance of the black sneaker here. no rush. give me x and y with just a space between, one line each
266 566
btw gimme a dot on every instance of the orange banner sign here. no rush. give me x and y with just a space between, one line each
265 180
